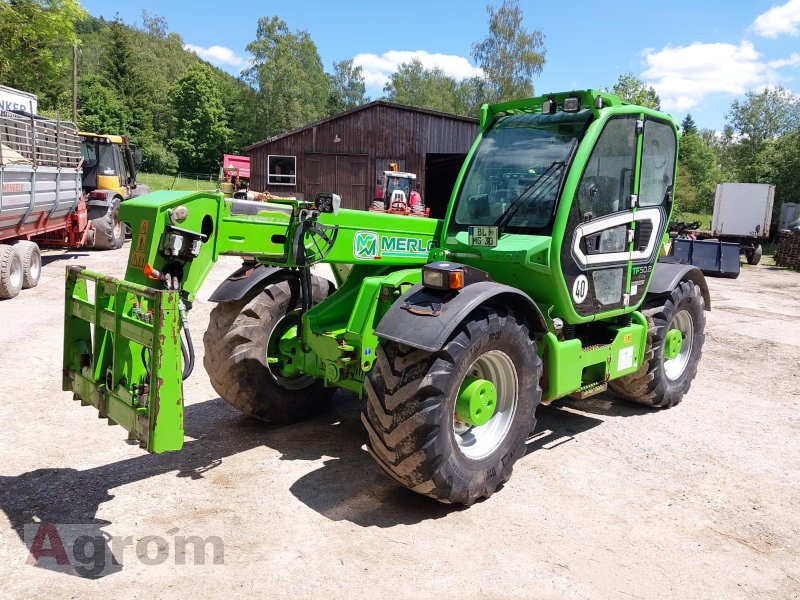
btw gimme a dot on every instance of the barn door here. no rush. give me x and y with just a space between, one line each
351 181
342 174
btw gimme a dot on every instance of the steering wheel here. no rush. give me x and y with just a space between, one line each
399 206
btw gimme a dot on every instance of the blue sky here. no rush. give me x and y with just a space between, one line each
699 54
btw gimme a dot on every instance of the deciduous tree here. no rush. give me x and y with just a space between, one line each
632 89
36 39
292 86
348 89
510 54
100 109
200 133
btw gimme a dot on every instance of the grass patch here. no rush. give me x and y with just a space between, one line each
172 182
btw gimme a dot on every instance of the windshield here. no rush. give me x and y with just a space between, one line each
398 183
513 180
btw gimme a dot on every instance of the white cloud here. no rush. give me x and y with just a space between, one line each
779 20
792 61
217 55
377 69
684 75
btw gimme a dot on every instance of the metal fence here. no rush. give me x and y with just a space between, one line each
201 181
35 141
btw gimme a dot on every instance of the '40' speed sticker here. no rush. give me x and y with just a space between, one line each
580 289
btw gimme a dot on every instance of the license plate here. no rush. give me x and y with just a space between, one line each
483 236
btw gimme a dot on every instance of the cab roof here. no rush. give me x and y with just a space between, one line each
103 138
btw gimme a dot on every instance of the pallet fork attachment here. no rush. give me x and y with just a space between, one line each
122 355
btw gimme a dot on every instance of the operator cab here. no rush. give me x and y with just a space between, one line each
579 184
105 165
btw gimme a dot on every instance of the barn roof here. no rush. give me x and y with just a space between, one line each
367 106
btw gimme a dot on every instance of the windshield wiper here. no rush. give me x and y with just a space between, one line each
536 186
559 165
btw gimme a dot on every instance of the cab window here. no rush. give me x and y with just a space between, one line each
106 163
607 181
89 152
658 163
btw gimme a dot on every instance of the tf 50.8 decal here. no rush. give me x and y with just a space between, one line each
368 245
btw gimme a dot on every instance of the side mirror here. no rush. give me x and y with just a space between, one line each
137 157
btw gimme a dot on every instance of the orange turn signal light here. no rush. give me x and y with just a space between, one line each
456 280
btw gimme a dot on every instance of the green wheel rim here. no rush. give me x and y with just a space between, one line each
497 369
684 325
673 343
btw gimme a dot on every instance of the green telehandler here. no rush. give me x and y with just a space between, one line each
542 281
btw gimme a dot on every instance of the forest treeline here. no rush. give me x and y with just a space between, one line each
185 113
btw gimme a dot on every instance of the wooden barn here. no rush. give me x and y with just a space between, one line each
347 153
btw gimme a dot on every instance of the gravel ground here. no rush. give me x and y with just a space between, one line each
613 501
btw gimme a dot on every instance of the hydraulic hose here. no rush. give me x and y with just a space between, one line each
187 350
187 347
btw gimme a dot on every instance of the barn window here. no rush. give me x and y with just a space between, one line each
281 170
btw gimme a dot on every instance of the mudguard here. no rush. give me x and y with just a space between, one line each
431 331
667 275
97 208
242 281
107 201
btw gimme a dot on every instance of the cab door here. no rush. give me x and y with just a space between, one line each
654 201
596 247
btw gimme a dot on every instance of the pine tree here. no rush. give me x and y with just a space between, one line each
688 125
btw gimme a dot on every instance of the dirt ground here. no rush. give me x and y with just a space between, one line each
613 501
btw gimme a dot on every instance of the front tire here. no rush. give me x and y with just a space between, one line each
662 382
410 416
238 342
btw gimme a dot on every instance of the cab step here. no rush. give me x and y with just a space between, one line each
589 390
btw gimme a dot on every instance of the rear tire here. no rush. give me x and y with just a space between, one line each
109 230
410 410
31 264
753 256
11 274
236 346
662 383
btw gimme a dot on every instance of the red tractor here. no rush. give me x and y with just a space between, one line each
397 195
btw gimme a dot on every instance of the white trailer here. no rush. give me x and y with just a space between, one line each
743 213
17 101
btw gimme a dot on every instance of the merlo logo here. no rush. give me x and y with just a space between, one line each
365 245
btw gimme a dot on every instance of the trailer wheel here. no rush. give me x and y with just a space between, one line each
423 412
109 230
31 263
10 271
240 346
753 255
674 347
